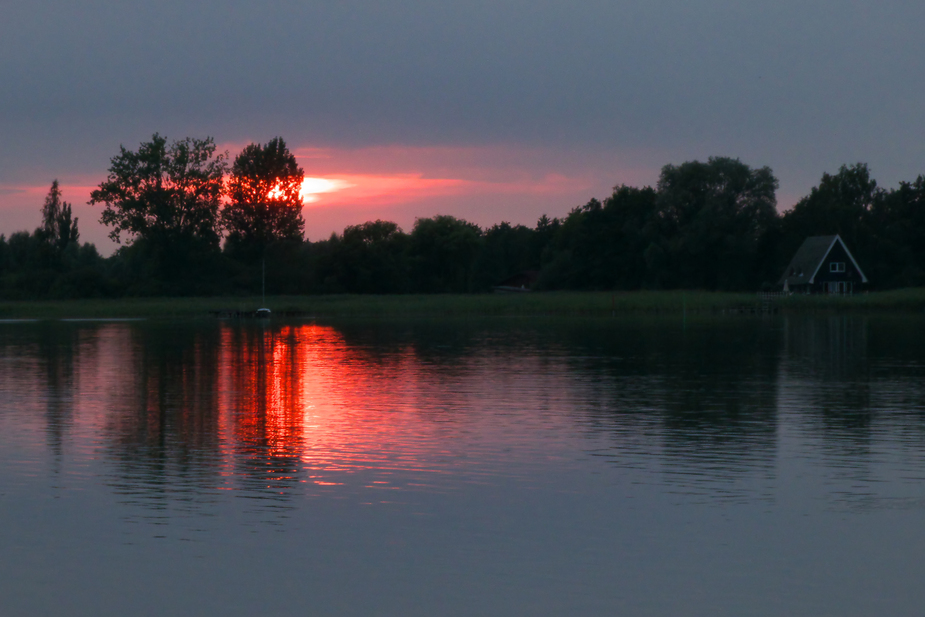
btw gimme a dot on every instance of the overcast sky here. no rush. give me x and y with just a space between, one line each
486 110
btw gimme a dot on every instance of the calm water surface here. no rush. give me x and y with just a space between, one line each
507 467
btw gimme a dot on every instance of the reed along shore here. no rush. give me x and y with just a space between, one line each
601 304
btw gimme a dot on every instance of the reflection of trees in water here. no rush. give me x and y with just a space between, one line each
826 371
852 387
707 405
58 346
831 347
696 403
199 407
163 430
826 383
897 376
39 367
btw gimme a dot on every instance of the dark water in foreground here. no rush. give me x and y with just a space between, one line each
612 467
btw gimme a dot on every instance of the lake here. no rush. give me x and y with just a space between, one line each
628 466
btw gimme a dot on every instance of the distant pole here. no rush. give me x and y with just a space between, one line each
684 311
263 280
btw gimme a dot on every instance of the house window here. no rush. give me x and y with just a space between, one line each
837 266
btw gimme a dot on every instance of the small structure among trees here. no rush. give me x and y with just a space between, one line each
823 265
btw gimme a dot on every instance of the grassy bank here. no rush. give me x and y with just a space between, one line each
558 303
900 300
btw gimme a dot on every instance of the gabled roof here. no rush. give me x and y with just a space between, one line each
807 261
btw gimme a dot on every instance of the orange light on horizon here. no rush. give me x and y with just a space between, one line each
313 187
361 189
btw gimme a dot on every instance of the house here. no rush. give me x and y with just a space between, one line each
823 265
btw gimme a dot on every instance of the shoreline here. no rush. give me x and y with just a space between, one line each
560 303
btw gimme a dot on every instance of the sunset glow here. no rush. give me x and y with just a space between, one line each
313 187
365 189
348 186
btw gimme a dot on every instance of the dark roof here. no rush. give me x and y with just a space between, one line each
805 264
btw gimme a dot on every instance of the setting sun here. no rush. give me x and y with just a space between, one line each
312 187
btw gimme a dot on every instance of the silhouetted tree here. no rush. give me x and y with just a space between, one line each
506 250
166 200
368 258
49 262
603 245
265 205
443 251
899 222
840 204
58 229
161 193
717 214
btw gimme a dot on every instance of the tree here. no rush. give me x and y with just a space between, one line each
717 214
899 222
265 206
601 245
443 251
506 250
163 193
166 199
841 204
372 258
58 229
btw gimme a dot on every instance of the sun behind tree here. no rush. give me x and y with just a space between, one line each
264 202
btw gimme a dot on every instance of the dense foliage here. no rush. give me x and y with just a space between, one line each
50 262
706 225
264 202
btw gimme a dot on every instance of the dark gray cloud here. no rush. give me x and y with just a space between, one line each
799 85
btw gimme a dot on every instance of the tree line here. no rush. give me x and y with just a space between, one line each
190 221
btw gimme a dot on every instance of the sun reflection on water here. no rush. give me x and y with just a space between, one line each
298 403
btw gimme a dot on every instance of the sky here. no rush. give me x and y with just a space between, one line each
486 110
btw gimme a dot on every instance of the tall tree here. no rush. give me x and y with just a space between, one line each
841 204
899 222
717 214
165 199
163 193
265 206
59 228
